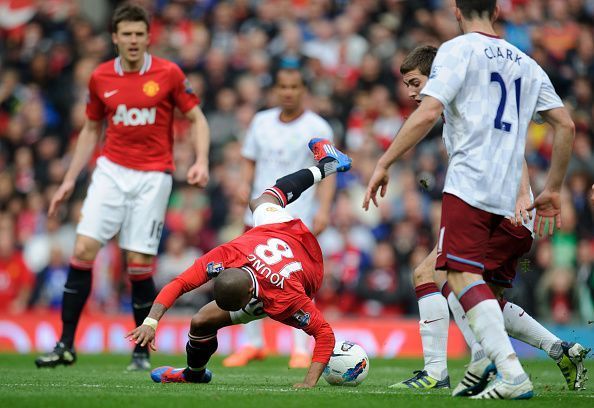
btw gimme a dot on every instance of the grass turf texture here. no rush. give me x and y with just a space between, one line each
100 381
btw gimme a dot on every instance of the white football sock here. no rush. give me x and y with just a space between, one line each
434 325
476 350
254 334
520 325
300 341
486 322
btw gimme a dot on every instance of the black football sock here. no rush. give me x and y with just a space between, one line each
199 349
289 188
143 295
76 293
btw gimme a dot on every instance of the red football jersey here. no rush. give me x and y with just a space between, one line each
285 261
139 110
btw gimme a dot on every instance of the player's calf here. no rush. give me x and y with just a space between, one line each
289 188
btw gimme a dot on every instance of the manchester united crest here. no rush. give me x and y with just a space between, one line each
150 88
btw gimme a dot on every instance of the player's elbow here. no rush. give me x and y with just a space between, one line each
561 121
568 126
431 111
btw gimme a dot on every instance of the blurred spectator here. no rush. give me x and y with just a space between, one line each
176 259
16 280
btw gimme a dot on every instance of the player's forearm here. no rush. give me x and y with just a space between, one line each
564 129
85 146
562 147
157 311
201 136
413 131
325 193
524 181
248 168
314 373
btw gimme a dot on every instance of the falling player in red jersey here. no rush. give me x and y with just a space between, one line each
274 270
136 94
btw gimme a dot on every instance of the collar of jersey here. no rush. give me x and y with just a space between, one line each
487 35
148 61
254 280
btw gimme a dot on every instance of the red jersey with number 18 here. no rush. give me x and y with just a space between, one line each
285 262
139 107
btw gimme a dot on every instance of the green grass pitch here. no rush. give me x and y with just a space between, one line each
100 381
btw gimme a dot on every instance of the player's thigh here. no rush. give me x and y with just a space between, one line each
464 236
424 272
104 208
507 244
254 310
145 215
209 318
268 213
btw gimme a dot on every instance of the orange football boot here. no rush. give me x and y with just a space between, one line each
243 356
299 360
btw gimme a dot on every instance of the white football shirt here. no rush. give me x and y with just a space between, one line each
490 91
280 148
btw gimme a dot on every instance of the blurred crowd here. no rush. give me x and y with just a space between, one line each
350 53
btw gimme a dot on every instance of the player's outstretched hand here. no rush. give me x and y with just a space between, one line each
548 209
302 385
522 214
198 174
61 195
143 335
378 180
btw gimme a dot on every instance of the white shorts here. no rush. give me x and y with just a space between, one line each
250 312
128 201
267 213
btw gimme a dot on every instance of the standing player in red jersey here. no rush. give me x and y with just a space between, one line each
136 94
274 269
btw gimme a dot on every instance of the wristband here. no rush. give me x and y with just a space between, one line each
150 322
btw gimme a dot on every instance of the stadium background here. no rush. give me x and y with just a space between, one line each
349 52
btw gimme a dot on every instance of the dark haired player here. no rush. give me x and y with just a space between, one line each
274 269
488 91
136 95
507 245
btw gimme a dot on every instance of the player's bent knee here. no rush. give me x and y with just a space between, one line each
85 248
208 319
263 199
138 258
422 274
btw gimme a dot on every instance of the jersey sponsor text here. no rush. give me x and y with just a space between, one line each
134 116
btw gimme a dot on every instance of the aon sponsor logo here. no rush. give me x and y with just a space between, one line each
134 116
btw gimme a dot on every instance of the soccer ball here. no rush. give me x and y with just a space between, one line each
349 365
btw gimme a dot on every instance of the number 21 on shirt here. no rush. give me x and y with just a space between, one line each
499 123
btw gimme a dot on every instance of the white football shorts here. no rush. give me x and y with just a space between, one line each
250 312
127 201
269 213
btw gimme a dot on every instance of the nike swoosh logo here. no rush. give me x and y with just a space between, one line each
431 321
522 314
110 93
